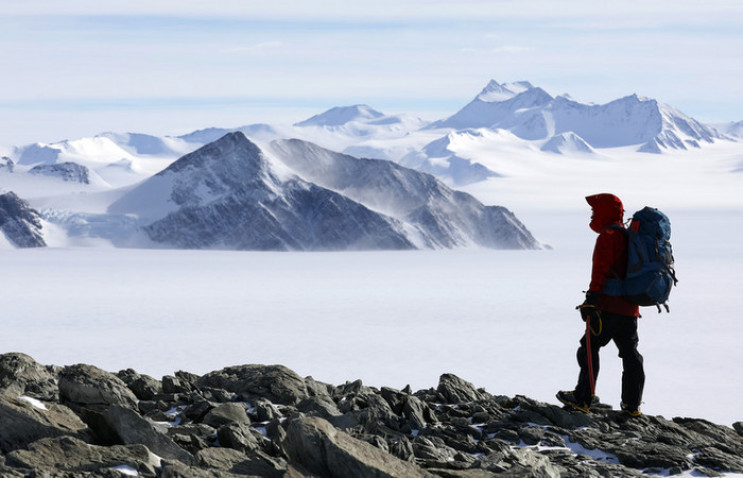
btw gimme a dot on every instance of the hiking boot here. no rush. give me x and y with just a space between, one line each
631 411
568 399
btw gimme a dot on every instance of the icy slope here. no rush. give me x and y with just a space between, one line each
443 217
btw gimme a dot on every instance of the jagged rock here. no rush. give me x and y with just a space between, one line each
395 398
418 413
22 422
321 448
204 428
322 406
128 428
464 473
531 411
70 454
275 383
239 436
20 223
455 390
198 409
176 469
192 438
226 413
255 464
719 447
402 449
8 472
143 386
432 449
265 411
21 375
527 463
187 377
88 386
217 395
363 406
173 384
315 388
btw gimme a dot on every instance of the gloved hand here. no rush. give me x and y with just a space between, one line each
589 311
588 305
592 298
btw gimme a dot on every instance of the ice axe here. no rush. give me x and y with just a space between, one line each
589 332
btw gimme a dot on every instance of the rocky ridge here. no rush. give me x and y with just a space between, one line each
258 420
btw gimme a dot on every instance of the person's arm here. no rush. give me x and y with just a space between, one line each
604 256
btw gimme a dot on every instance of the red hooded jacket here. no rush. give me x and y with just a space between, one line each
610 252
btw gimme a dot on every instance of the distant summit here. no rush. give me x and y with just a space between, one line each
341 115
497 106
734 129
567 143
533 114
495 91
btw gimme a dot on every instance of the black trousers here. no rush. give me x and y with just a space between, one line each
623 331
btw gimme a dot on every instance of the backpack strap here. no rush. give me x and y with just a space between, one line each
613 272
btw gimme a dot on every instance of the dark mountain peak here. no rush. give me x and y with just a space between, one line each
19 222
233 150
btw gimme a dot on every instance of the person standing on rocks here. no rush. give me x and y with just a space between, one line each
607 317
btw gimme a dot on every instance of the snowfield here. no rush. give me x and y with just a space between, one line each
502 320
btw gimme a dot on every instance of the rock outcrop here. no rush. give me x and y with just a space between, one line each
68 172
267 421
20 223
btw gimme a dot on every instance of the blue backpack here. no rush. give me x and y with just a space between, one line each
650 274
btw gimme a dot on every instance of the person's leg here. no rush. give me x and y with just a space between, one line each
633 375
583 388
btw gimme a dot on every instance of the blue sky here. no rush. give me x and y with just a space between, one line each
76 68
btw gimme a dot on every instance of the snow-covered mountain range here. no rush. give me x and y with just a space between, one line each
533 114
109 186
